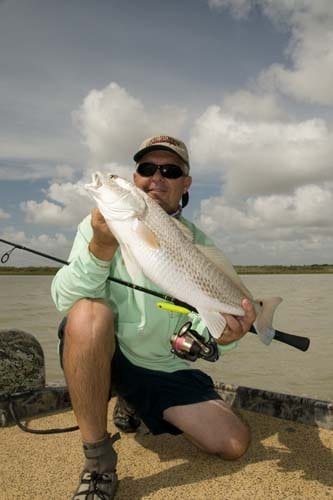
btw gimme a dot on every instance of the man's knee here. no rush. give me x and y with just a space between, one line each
89 321
93 315
237 446
230 447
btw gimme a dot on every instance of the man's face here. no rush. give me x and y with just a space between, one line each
167 192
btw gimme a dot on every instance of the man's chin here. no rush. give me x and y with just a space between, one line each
158 197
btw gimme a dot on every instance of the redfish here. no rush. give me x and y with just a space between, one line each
161 247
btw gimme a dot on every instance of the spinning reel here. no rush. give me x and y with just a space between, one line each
188 344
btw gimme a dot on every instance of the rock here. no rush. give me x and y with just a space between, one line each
22 365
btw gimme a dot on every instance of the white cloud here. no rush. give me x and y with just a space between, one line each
274 229
3 214
239 8
113 123
69 204
308 72
254 157
245 104
15 169
310 206
310 77
63 172
269 165
277 195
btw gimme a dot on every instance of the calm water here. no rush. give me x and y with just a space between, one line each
307 310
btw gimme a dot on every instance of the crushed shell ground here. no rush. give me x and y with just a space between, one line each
285 461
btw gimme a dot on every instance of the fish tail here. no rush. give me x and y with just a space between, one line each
263 324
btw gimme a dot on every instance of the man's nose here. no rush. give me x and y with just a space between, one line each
157 175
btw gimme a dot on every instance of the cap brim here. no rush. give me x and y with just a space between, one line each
146 150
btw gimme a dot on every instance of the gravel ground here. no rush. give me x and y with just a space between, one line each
285 461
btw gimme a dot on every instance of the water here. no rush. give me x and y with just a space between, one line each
307 310
26 304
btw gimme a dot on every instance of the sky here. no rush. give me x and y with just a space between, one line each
247 84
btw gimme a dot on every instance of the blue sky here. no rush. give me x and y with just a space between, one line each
248 84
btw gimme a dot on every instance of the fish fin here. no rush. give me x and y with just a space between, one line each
184 229
263 324
221 261
131 264
214 321
146 234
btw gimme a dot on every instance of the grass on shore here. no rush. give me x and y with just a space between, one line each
28 271
274 269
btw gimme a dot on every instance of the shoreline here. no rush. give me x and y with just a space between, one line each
241 269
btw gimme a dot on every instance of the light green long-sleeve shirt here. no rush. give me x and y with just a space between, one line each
143 330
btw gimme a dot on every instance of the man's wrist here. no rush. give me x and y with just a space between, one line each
102 251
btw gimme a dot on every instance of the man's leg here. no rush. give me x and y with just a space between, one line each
212 426
88 349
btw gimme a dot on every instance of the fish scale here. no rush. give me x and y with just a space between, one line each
181 258
186 259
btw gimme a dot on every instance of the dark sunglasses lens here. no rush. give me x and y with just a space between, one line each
171 171
168 171
146 169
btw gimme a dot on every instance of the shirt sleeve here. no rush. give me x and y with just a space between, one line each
84 277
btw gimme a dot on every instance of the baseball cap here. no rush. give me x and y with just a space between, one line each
165 142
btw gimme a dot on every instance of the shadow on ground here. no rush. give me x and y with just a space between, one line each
298 448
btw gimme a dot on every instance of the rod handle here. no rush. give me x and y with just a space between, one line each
301 343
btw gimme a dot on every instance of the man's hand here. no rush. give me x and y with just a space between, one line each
237 327
103 244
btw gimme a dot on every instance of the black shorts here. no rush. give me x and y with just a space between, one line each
151 392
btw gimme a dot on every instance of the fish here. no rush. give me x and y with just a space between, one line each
161 247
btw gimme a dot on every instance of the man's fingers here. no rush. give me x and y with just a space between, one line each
232 324
237 326
250 314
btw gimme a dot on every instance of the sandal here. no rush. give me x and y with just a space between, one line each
125 417
94 486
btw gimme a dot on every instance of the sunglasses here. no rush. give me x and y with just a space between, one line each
169 171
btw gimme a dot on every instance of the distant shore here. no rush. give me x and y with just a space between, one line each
276 269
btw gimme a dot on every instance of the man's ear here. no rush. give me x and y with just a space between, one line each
185 199
187 184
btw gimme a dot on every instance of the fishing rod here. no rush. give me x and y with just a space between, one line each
299 342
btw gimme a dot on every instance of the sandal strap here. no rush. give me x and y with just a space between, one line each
115 437
95 486
102 448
